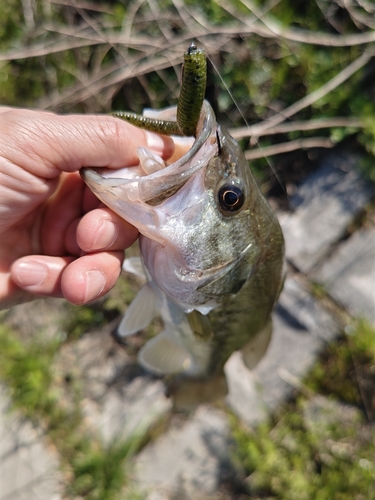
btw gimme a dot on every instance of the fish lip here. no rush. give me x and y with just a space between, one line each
206 126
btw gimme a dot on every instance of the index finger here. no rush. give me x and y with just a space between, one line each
46 144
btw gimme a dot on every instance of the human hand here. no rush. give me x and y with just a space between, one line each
56 238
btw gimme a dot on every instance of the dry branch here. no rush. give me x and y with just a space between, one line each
299 126
313 97
270 28
287 147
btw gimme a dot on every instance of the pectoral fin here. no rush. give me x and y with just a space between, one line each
140 313
255 349
163 355
133 265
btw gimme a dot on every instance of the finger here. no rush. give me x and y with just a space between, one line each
91 276
61 212
46 144
102 229
79 281
10 293
39 274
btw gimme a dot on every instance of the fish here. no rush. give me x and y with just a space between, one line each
212 250
212 253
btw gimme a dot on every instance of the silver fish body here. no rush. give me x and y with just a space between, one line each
212 248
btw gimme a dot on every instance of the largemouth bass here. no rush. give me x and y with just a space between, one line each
212 249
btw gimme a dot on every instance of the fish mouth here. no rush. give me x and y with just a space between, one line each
153 188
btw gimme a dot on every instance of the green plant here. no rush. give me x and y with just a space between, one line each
292 460
318 447
95 471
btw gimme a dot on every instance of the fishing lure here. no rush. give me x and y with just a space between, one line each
193 88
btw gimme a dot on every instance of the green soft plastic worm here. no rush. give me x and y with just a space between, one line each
193 88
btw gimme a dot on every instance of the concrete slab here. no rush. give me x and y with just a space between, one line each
349 274
188 460
29 467
119 398
301 329
128 411
325 204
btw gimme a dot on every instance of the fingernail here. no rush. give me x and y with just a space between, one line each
30 273
106 235
155 142
95 283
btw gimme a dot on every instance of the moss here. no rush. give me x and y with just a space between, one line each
26 368
289 459
92 469
346 364
322 447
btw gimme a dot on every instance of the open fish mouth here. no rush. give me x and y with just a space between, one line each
152 181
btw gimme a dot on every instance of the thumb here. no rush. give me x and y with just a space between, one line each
46 144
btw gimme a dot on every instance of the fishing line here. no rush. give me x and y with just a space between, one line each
257 144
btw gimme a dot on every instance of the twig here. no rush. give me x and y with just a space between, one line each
71 39
299 126
357 17
295 382
286 147
162 25
263 27
313 97
189 15
84 5
154 59
111 76
270 29
28 14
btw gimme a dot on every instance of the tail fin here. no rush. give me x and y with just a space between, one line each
187 394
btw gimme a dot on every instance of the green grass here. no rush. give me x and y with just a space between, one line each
26 369
293 460
346 365
320 447
92 470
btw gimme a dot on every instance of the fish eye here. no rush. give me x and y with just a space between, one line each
231 197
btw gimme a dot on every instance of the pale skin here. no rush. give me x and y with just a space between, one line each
57 240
